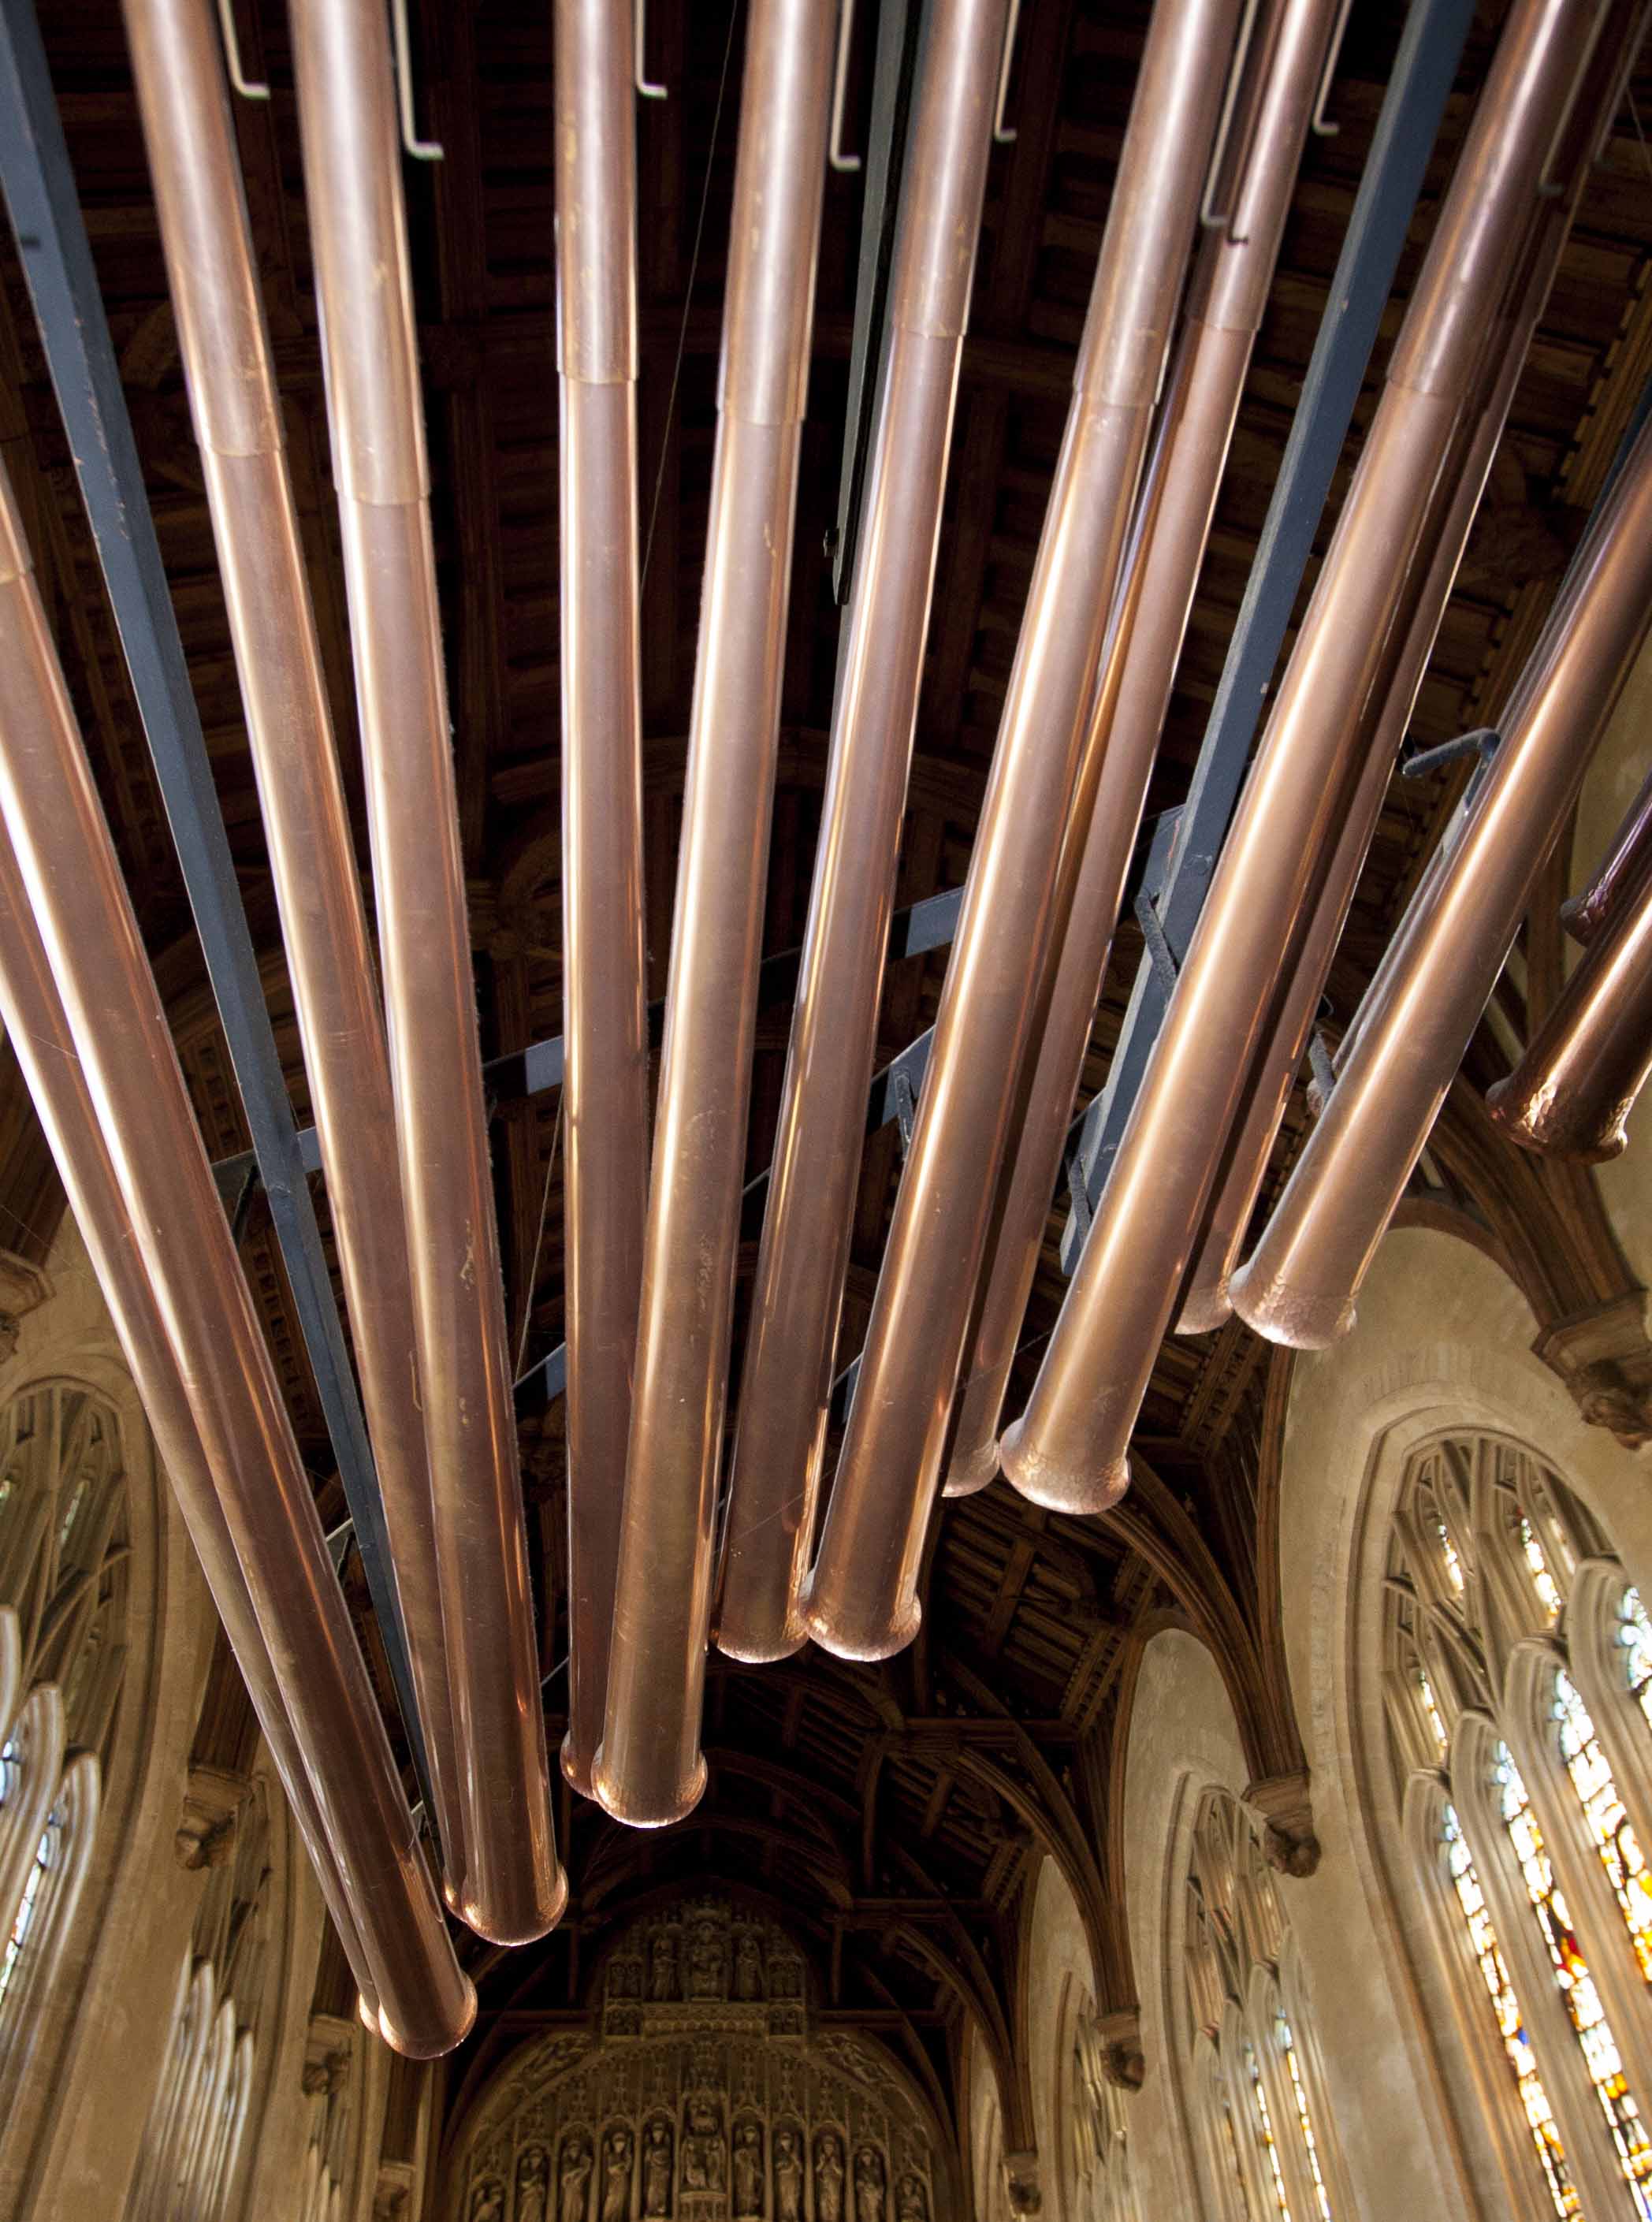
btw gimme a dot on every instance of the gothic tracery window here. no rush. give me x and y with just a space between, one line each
193 2140
1263 2132
1518 1677
64 1557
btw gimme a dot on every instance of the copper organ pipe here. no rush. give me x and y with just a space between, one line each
1572 1091
71 880
1205 1304
604 1087
1300 1283
1630 847
35 1022
1069 1451
862 1599
198 194
1229 293
512 1887
649 1769
781 1434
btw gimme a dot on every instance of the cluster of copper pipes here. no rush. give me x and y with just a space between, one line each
652 1228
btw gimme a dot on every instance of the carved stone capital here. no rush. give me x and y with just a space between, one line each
1605 1358
1118 2048
205 1834
1022 2184
1288 1840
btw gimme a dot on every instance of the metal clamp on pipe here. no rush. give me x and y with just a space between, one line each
802 1264
649 1769
71 882
512 1887
863 1599
1071 1449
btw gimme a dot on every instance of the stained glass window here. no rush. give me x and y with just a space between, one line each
1635 1633
1576 1983
1264 2124
1510 2022
1609 1825
23 1920
1537 1566
1287 2044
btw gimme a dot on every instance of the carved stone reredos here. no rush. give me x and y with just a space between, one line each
699 2090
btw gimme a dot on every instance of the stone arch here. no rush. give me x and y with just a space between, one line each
701 2087
1443 1345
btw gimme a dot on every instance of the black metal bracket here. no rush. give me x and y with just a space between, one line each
1483 741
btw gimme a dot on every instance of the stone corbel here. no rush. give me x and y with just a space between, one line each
1288 1840
327 2056
1118 2048
1604 1360
1022 2184
392 2196
205 1834
23 1286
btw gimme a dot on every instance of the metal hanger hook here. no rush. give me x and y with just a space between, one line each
648 90
839 159
238 77
422 150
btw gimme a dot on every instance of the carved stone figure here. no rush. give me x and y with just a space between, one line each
657 2170
748 2169
532 2177
574 2179
869 2185
487 2201
616 2187
828 2177
708 1970
910 2205
748 1967
789 2178
662 1965
785 1980
705 2164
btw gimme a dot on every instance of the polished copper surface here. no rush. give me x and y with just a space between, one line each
1069 1451
780 1435
36 1025
71 883
862 1599
1572 1093
649 1769
1300 1284
1229 293
1619 868
198 194
1205 1303
604 1029
512 1887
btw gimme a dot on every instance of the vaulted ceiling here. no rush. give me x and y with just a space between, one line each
898 1809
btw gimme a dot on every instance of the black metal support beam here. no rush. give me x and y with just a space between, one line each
1423 72
56 256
